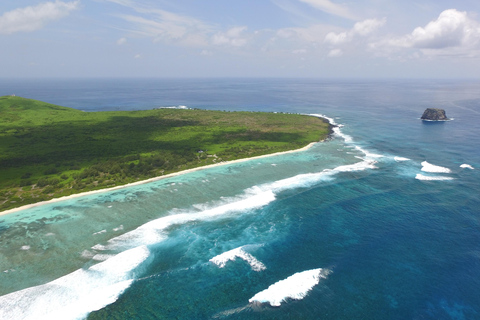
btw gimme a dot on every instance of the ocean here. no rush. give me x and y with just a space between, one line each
381 221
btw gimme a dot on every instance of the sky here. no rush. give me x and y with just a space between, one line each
240 38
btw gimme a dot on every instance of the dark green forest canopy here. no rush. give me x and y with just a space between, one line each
49 151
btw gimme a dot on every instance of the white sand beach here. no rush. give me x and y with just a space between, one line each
150 180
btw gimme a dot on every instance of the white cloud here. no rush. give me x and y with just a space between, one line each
137 56
168 27
453 34
331 8
363 28
337 38
162 25
35 17
368 26
233 37
312 34
296 41
453 28
121 41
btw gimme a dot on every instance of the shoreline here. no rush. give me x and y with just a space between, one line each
82 194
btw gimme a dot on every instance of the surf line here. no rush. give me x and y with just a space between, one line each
252 198
336 128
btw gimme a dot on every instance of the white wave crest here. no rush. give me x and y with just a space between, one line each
330 120
154 231
222 259
401 159
336 128
348 139
175 107
428 167
308 179
294 287
466 166
432 178
77 294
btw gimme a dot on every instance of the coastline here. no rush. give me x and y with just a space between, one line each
77 195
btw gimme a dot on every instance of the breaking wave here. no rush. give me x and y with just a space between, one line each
77 294
428 167
155 231
222 259
294 287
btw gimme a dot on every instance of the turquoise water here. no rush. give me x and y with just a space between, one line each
353 228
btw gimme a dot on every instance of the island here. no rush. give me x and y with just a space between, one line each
434 114
49 151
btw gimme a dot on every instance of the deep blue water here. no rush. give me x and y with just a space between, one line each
354 219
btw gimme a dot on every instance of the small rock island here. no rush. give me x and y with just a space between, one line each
433 114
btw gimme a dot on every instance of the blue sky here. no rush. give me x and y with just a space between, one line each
240 38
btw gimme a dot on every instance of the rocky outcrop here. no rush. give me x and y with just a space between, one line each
433 114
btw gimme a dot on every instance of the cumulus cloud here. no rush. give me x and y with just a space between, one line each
337 38
453 34
368 26
233 37
453 28
331 8
362 28
32 18
121 41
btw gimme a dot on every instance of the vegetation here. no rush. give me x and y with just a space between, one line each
49 151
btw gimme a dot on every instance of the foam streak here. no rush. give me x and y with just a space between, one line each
430 178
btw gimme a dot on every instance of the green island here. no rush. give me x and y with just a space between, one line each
48 151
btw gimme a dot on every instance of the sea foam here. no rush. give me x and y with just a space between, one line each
466 166
222 259
294 287
308 179
154 231
77 294
432 178
428 167
348 139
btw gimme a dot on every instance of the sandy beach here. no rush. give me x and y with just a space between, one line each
151 180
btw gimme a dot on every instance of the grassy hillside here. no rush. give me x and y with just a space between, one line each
49 151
